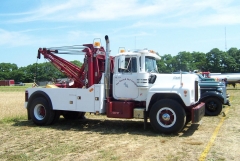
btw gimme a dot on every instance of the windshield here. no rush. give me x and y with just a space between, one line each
200 76
150 65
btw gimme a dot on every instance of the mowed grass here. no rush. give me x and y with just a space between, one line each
101 138
12 102
15 88
12 105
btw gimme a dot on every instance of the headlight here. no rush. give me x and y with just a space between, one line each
220 90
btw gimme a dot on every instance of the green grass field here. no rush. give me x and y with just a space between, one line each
15 88
99 138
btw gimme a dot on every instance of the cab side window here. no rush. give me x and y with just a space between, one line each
130 65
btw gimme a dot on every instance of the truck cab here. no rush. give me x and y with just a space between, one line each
136 78
167 98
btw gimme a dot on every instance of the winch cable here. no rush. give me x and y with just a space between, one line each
35 75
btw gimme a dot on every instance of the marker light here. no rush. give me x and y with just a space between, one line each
122 51
97 44
185 93
152 51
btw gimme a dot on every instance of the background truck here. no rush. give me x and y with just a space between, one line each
213 94
202 78
125 86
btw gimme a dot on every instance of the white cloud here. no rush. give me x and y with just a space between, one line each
159 12
14 38
23 38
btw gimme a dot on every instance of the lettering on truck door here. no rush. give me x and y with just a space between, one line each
125 80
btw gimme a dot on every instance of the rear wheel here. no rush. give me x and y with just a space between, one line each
213 106
167 116
56 117
40 112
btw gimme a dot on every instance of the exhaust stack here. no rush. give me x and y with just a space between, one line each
107 68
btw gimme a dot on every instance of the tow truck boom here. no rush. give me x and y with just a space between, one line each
91 70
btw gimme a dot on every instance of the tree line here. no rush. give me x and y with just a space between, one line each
38 71
215 61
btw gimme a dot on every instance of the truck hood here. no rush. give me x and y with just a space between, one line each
207 79
182 85
175 79
211 84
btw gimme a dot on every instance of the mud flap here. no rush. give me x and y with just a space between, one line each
28 114
198 112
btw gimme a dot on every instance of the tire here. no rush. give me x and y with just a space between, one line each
56 117
213 106
188 119
73 115
167 116
82 115
41 112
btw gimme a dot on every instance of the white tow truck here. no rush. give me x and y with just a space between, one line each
125 86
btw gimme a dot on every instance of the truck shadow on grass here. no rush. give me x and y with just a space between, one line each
108 127
233 89
189 130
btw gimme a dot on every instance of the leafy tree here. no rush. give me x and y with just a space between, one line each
183 61
214 60
228 64
6 70
165 65
77 63
29 73
47 71
17 75
235 54
198 61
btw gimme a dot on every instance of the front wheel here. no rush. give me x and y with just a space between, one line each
167 116
213 107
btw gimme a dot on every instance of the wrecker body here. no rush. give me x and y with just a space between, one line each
127 85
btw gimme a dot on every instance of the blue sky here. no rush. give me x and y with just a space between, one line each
167 27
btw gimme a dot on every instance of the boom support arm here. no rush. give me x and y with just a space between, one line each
88 74
70 70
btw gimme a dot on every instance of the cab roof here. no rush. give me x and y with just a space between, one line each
149 53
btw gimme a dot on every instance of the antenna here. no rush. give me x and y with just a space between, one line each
135 42
225 39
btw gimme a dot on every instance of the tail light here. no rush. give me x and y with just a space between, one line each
26 96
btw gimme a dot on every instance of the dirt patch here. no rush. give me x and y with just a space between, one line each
101 138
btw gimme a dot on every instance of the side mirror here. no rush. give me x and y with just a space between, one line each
122 62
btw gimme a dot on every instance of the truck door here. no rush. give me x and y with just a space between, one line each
125 80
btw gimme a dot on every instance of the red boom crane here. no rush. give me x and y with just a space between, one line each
89 73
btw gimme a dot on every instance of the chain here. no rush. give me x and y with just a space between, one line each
35 75
85 71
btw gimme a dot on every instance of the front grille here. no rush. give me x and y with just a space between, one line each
196 90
